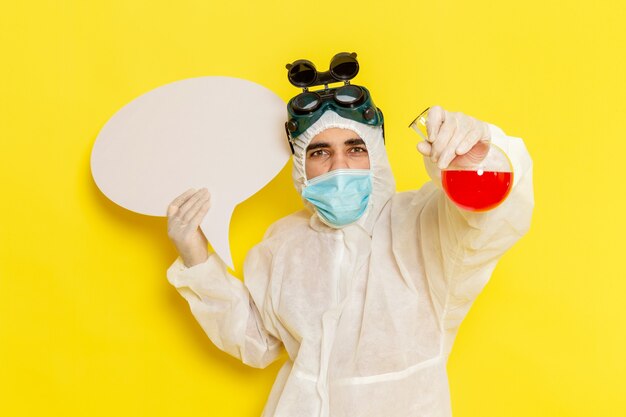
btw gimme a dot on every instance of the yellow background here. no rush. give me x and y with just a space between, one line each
89 325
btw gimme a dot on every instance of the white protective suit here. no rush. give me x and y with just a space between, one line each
367 313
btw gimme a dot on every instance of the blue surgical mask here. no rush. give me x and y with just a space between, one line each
340 196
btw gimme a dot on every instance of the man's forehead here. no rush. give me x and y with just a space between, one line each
335 136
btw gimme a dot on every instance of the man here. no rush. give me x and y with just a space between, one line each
366 288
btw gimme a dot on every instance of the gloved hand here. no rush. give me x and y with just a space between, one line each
454 136
184 216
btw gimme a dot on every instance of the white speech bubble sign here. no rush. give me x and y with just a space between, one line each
222 133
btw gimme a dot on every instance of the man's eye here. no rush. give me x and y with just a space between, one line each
318 153
358 149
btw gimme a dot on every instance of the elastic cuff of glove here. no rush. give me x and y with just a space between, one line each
178 271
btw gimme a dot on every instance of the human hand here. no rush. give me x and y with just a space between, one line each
454 136
184 215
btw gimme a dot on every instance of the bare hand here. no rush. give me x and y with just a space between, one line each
184 216
454 136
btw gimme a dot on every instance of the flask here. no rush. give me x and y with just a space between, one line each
472 181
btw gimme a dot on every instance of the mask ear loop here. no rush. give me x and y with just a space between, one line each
306 179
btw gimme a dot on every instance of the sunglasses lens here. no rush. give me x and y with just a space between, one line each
302 73
344 66
349 95
306 102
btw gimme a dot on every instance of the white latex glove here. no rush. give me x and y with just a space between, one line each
454 136
184 216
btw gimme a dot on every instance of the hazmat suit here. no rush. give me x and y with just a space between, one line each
367 313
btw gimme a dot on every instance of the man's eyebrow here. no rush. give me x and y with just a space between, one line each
317 146
355 141
349 142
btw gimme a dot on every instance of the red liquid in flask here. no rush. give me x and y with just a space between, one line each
477 190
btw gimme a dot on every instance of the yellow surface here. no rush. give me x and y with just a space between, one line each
89 325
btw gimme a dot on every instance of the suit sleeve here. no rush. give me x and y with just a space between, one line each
226 310
461 248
